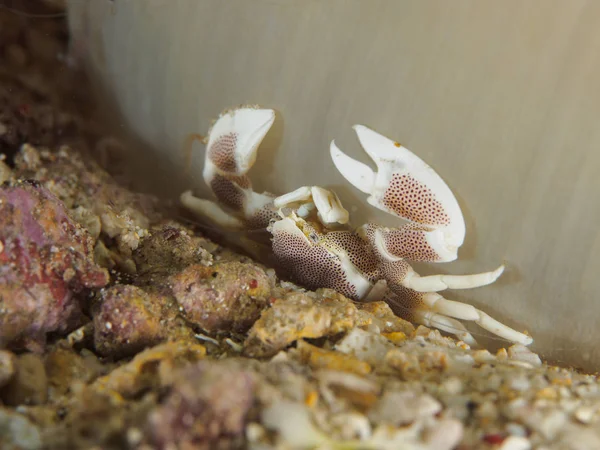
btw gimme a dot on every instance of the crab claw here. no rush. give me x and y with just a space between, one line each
329 208
361 176
234 138
404 185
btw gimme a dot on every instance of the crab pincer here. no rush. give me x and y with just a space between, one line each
407 187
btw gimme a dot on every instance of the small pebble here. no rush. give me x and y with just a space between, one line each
585 414
515 443
134 436
446 435
29 385
502 354
5 171
515 408
453 386
519 383
586 390
405 407
494 382
483 356
516 429
254 432
569 405
551 423
487 410
521 353
7 366
564 392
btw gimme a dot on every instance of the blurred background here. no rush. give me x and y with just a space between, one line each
502 99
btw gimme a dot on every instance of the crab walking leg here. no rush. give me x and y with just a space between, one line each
439 306
207 209
459 310
409 307
435 283
395 246
447 324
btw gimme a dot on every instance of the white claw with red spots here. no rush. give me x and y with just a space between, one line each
407 187
234 139
231 150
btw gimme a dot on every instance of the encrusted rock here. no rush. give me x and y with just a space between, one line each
365 345
65 368
46 261
93 196
168 249
128 320
17 432
381 315
29 385
318 358
150 368
8 366
299 315
205 409
225 297
404 407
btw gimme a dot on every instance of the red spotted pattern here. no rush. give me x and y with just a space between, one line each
311 265
393 271
403 301
412 200
410 242
228 192
358 251
262 217
242 181
222 152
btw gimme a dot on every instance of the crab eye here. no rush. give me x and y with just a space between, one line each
313 237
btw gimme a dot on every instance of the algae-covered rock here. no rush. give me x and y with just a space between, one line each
45 262
127 321
17 432
300 315
206 408
228 296
8 367
169 248
29 385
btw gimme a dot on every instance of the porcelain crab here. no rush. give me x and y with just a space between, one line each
312 241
